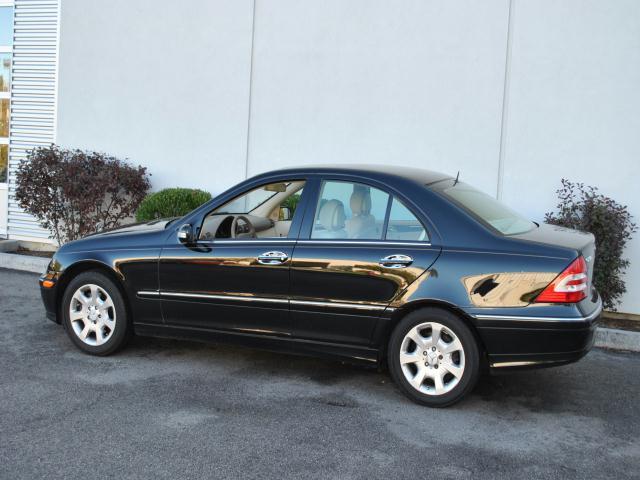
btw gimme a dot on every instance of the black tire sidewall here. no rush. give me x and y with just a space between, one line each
120 333
469 345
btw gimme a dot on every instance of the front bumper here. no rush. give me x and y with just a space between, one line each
49 297
528 342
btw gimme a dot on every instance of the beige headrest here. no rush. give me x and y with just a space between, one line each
332 215
360 202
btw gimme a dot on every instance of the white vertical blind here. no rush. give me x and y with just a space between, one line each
33 97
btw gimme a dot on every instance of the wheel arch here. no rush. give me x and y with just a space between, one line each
407 308
76 269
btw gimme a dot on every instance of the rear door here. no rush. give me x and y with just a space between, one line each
360 247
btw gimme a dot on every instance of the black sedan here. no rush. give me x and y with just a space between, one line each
362 263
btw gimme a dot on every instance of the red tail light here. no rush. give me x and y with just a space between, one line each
568 287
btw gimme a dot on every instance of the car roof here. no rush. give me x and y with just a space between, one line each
417 175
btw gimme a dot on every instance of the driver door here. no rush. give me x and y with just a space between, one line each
236 281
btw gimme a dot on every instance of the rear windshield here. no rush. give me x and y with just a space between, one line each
487 209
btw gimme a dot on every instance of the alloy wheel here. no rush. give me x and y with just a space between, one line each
432 358
92 314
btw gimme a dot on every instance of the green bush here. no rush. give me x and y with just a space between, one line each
292 203
170 202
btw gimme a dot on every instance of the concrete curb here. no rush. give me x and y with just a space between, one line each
605 337
9 245
618 339
26 263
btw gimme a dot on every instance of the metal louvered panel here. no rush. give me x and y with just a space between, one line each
33 98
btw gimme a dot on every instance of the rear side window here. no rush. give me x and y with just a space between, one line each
488 209
403 224
352 211
348 210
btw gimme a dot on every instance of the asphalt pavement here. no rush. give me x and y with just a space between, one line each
175 409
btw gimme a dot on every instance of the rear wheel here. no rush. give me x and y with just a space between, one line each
433 357
94 314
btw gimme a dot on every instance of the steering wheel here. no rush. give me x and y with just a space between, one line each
241 227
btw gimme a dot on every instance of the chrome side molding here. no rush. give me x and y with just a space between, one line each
327 242
210 296
355 243
357 306
244 299
518 318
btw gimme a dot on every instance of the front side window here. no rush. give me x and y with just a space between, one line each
263 212
488 209
347 210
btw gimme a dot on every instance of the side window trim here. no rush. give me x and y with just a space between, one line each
301 210
387 215
312 193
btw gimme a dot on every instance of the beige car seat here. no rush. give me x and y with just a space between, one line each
331 218
362 224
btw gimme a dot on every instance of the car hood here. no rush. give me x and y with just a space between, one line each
129 236
159 224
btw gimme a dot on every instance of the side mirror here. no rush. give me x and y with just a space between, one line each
285 214
185 234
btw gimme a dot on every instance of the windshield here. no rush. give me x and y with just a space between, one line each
488 209
252 199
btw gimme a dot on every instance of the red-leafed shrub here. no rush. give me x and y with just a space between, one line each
74 193
583 208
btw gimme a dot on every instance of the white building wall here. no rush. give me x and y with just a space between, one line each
186 89
574 108
165 84
413 83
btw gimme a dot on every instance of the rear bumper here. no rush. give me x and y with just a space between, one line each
518 342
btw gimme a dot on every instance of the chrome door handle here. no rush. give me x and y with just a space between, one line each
396 261
272 258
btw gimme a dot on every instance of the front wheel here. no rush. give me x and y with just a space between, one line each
433 357
94 314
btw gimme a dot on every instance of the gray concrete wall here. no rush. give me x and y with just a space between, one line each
177 86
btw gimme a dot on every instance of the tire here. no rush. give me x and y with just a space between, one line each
94 314
456 364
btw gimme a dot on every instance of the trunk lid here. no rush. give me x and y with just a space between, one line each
582 243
